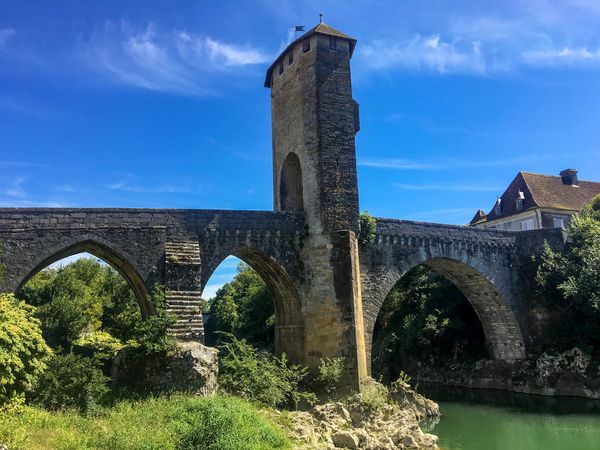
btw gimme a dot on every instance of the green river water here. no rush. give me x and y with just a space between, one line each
475 419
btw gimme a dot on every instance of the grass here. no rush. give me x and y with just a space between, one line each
177 422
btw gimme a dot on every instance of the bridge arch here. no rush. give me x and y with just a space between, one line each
101 250
291 196
503 335
289 321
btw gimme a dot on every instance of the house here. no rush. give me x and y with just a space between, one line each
533 201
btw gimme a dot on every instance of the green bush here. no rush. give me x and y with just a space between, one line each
23 351
71 381
164 423
259 377
368 228
330 374
372 398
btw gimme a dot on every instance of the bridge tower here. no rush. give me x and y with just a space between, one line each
314 123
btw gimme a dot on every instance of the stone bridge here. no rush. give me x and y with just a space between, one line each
327 289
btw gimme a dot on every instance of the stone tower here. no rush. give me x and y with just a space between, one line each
314 121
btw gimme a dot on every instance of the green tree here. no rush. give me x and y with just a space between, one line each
368 228
570 282
23 351
425 318
243 307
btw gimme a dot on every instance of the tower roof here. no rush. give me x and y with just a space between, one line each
320 28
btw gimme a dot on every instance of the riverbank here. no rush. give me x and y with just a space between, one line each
572 374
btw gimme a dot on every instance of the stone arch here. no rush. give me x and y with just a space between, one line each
291 196
503 334
289 321
102 251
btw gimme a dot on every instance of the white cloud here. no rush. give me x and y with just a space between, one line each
429 52
161 189
450 164
5 35
563 56
447 187
177 62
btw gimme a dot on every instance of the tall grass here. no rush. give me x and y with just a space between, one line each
178 422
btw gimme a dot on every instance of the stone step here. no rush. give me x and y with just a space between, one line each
182 252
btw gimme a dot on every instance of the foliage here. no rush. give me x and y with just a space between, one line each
330 374
425 318
81 297
23 351
164 423
153 336
71 381
243 307
372 398
259 377
570 281
368 228
100 344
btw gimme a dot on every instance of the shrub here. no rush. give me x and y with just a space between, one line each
373 397
71 381
259 377
330 374
23 351
368 228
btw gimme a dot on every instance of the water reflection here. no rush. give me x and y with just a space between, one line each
505 399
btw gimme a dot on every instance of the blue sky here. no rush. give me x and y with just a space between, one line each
161 104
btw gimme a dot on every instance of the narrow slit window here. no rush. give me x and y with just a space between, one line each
306 45
332 43
280 68
290 58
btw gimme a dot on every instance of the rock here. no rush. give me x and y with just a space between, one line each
345 439
409 442
193 368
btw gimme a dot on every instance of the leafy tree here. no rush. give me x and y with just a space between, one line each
425 318
570 281
23 351
243 307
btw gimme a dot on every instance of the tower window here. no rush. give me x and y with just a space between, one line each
291 58
332 43
305 45
280 68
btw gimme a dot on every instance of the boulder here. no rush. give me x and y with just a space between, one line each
192 368
345 439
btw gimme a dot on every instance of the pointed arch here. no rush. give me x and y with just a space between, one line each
289 322
102 251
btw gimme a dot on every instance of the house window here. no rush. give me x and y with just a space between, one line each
519 203
498 210
280 68
332 43
559 222
305 45
527 225
290 58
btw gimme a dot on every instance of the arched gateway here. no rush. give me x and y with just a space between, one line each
327 288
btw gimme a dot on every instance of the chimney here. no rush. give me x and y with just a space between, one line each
569 176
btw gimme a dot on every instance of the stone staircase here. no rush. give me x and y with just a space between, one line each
185 304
